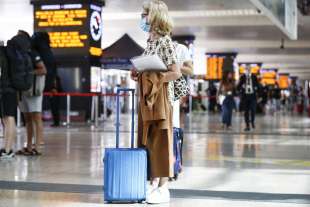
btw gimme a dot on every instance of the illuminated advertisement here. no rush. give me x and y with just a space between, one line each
218 63
283 80
268 76
73 28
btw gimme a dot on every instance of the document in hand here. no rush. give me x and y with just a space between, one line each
148 63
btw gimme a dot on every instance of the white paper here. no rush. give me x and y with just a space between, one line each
148 63
221 99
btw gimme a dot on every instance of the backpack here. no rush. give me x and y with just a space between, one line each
5 82
20 62
3 67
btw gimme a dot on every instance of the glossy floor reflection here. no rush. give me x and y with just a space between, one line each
266 167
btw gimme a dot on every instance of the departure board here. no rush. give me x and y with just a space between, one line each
74 29
218 63
255 68
283 80
269 76
214 68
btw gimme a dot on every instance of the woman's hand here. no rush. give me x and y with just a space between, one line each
40 69
187 68
134 74
172 74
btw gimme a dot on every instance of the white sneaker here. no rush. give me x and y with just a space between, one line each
150 189
7 155
159 195
153 186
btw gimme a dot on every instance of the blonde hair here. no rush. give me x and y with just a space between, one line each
159 18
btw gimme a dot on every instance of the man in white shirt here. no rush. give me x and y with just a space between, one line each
186 66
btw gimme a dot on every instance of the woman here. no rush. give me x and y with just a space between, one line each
155 100
227 88
8 105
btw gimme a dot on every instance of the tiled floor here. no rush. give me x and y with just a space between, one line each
267 167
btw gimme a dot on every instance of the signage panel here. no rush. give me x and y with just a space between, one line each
219 63
269 76
74 29
283 80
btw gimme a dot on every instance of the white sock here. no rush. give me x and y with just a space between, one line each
155 182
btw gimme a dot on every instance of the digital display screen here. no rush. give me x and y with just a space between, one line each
269 76
283 81
255 68
214 68
74 29
64 17
218 63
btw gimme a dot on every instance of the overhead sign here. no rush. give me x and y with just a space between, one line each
95 25
283 13
218 63
255 68
74 29
283 80
269 76
214 68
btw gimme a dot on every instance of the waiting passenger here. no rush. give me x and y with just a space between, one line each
226 90
41 42
8 106
55 101
31 105
156 100
185 64
277 97
211 92
263 98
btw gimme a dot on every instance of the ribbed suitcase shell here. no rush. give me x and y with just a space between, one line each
177 150
125 169
125 172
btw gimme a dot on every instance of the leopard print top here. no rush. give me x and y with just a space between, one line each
164 48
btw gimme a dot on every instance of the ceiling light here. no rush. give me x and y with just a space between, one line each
185 14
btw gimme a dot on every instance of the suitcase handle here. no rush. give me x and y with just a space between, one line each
132 115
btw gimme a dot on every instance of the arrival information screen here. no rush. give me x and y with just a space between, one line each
73 28
219 63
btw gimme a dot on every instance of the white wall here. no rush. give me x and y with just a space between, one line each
15 15
200 61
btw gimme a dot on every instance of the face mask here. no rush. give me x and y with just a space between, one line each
144 25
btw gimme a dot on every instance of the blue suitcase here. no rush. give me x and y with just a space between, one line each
177 151
125 169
